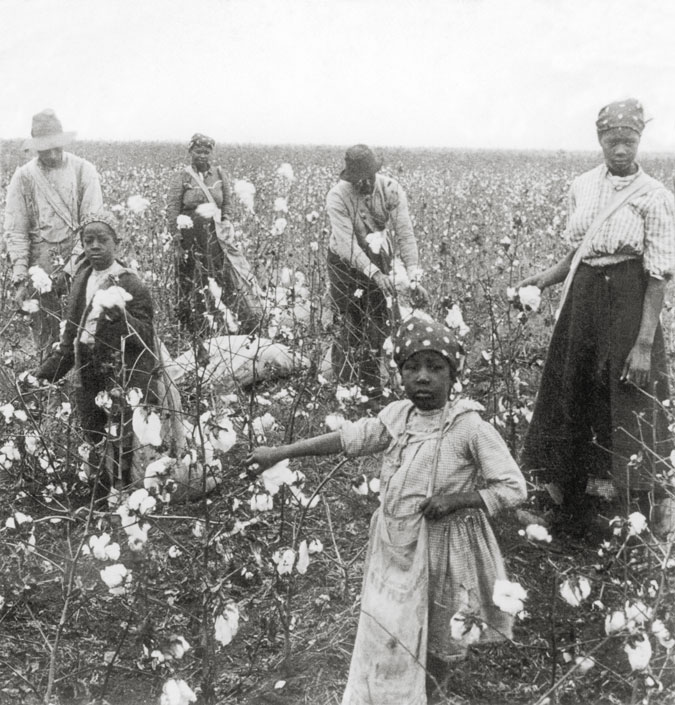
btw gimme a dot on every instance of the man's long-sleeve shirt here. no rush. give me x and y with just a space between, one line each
29 216
353 216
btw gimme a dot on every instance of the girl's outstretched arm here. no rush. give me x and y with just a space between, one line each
265 456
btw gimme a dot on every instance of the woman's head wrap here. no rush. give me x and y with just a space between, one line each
416 334
623 113
102 216
200 140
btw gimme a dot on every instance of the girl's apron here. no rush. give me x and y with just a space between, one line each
389 658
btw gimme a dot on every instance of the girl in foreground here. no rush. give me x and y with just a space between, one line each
431 553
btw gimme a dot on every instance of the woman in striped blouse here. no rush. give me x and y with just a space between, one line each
598 410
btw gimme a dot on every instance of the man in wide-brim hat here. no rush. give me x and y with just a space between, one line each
368 213
46 201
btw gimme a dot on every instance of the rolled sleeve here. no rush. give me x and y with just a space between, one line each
17 227
505 483
659 243
364 437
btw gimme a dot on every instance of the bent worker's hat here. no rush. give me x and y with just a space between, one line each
47 132
360 163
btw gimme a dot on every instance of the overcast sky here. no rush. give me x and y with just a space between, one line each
455 73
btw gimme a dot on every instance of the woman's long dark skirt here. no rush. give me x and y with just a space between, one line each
586 422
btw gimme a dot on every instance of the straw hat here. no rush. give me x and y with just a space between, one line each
47 132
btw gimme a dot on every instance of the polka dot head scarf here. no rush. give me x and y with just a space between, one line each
622 113
417 334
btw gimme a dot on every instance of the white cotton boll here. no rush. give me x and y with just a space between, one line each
141 501
303 558
112 297
280 205
261 502
615 622
174 552
245 192
137 204
537 532
102 549
7 410
279 226
184 222
377 241
530 297
511 293
30 306
227 624
208 210
17 520
302 499
344 394
285 171
637 523
223 436
584 664
279 474
134 397
103 400
312 217
315 546
117 578
360 485
374 485
575 590
509 597
262 425
637 614
32 443
455 321
177 692
157 473
147 426
639 651
334 421
40 280
466 631
284 560
177 647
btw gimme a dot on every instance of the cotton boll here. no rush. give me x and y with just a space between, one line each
279 474
537 532
40 280
137 204
509 597
639 652
177 692
530 297
147 426
575 590
227 624
303 558
184 222
208 210
284 560
245 192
